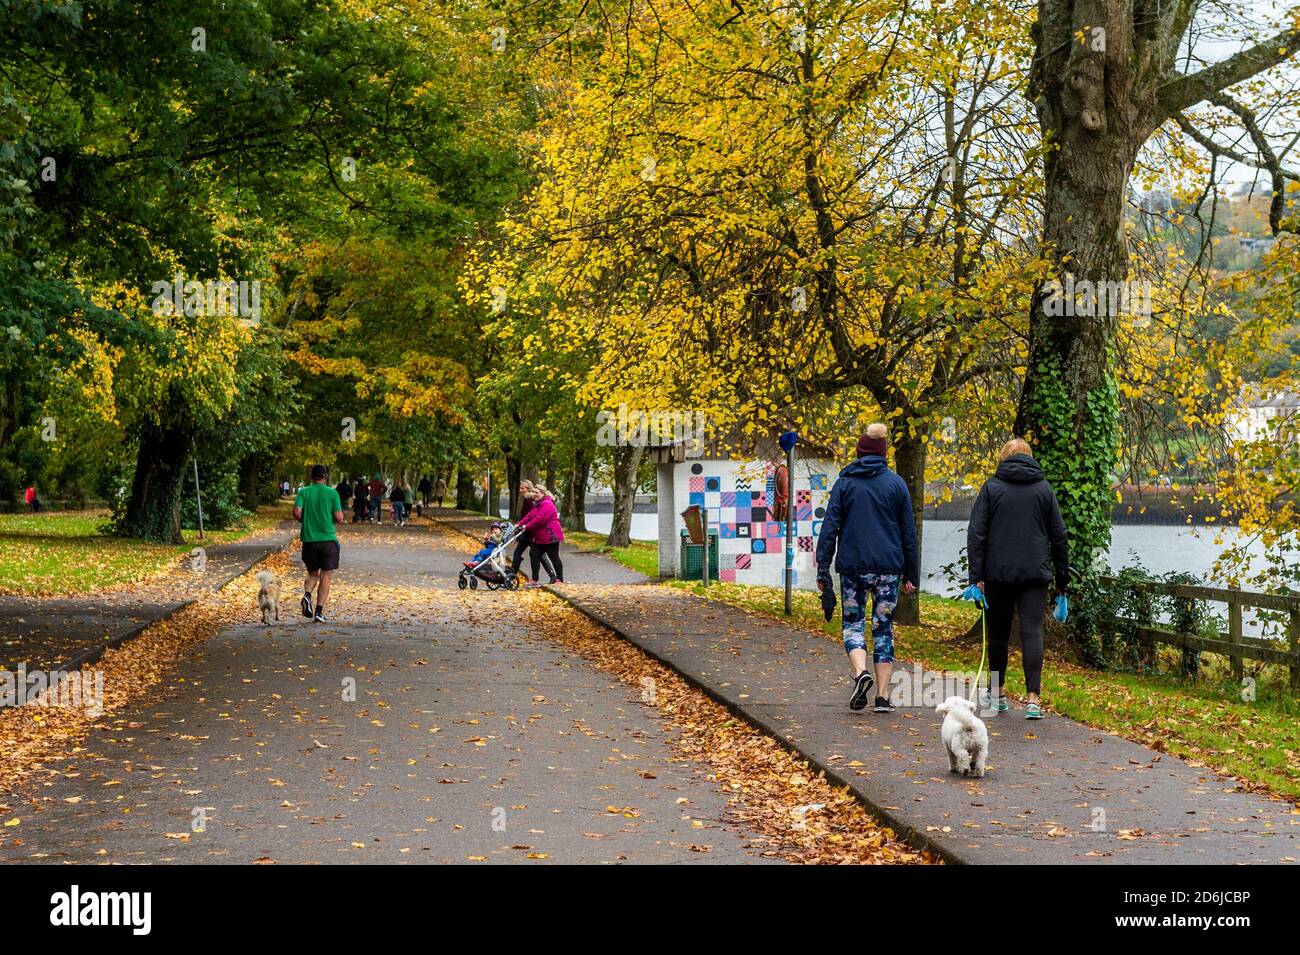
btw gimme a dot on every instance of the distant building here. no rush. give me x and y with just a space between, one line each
1261 416
1255 244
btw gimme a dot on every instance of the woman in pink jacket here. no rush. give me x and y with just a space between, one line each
544 533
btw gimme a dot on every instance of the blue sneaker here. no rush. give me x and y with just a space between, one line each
1001 705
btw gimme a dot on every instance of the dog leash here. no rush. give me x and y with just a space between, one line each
976 596
984 651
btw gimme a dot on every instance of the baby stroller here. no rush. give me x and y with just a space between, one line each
492 568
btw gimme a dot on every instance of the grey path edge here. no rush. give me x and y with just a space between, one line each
910 833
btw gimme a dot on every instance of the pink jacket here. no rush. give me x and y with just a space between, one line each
543 522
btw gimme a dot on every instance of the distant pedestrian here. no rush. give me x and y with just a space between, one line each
377 491
870 531
318 507
439 491
1016 545
545 534
426 488
397 503
344 488
32 498
361 500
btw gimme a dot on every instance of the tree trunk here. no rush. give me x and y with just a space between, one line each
627 461
153 511
909 460
574 514
514 473
464 489
250 470
1090 105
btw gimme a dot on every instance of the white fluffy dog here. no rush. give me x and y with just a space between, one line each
965 736
268 596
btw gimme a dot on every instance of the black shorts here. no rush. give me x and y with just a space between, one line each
320 555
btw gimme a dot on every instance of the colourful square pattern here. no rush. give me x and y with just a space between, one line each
750 540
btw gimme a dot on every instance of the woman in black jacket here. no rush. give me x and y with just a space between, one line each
1016 546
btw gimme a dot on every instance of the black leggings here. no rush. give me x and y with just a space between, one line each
549 553
518 557
1030 600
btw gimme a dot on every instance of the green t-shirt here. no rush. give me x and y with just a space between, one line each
318 503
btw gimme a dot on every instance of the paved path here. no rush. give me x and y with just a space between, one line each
468 739
50 632
1056 791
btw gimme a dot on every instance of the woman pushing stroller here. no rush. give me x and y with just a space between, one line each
541 522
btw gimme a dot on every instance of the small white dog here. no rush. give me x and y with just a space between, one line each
965 736
268 596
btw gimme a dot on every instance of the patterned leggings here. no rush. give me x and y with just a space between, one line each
884 598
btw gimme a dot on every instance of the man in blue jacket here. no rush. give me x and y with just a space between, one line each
869 529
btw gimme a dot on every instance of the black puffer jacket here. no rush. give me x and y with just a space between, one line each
1016 534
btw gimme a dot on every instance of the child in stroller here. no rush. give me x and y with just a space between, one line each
489 564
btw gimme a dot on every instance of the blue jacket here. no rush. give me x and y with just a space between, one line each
870 519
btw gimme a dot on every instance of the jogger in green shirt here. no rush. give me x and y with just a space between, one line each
319 508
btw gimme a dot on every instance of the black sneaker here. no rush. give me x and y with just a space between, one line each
320 616
883 705
862 685
306 606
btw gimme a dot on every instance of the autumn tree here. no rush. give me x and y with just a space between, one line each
1105 76
803 218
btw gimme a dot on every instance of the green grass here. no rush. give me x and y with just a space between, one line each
67 552
641 556
1204 721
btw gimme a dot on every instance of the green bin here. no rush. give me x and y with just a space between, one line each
692 562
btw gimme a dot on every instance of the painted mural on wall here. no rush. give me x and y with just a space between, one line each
740 498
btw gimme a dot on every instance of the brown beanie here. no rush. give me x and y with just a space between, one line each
868 445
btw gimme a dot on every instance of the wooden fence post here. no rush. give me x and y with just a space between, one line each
1295 648
1234 629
